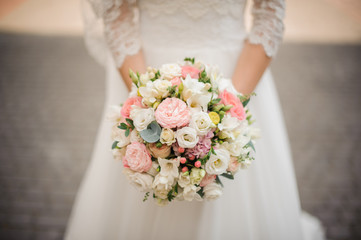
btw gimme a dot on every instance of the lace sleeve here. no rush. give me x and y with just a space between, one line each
267 26
120 26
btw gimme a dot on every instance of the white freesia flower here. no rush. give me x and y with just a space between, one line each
162 185
167 136
218 164
184 180
149 93
142 181
212 191
169 167
169 71
229 127
135 137
214 74
201 122
113 114
235 148
190 192
119 135
192 87
144 78
199 102
134 91
187 137
142 117
245 164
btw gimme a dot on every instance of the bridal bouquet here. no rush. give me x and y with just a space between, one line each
182 127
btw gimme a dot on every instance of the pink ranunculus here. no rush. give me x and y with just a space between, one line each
237 110
207 179
127 106
137 158
172 113
176 81
192 71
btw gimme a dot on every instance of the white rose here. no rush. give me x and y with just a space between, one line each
142 117
212 191
218 164
161 86
201 122
162 185
119 135
187 137
184 180
167 136
142 181
113 114
190 192
169 71
135 137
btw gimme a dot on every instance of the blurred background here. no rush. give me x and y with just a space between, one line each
52 96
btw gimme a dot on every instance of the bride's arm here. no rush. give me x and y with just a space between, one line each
122 34
261 45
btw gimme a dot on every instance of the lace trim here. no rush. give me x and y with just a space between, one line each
268 25
193 8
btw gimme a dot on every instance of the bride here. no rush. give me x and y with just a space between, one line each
262 202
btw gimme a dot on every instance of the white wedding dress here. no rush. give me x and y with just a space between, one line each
262 202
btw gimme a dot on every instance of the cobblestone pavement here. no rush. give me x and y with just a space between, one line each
51 98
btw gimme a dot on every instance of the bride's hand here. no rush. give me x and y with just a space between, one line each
250 67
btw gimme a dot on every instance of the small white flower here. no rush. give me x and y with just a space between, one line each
201 122
161 86
169 167
153 170
218 164
197 175
169 71
162 185
148 93
142 117
199 102
236 147
192 87
212 191
246 164
113 114
229 127
135 137
187 137
142 181
167 136
119 135
144 78
184 180
190 192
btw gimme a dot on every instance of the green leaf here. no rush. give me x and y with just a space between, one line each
213 152
219 181
200 192
189 60
244 103
115 144
228 175
123 126
250 144
130 122
127 132
146 196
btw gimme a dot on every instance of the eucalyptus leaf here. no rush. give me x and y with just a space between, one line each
250 143
152 133
228 175
219 181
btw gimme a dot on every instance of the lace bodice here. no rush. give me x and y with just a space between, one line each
129 24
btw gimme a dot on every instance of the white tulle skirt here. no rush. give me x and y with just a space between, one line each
261 203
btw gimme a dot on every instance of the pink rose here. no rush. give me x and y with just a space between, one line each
127 106
192 71
237 110
176 81
233 165
207 179
172 113
137 158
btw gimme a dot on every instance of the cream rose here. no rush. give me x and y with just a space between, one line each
201 122
187 137
169 71
142 181
212 191
119 135
197 175
161 152
142 117
161 86
218 164
167 136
